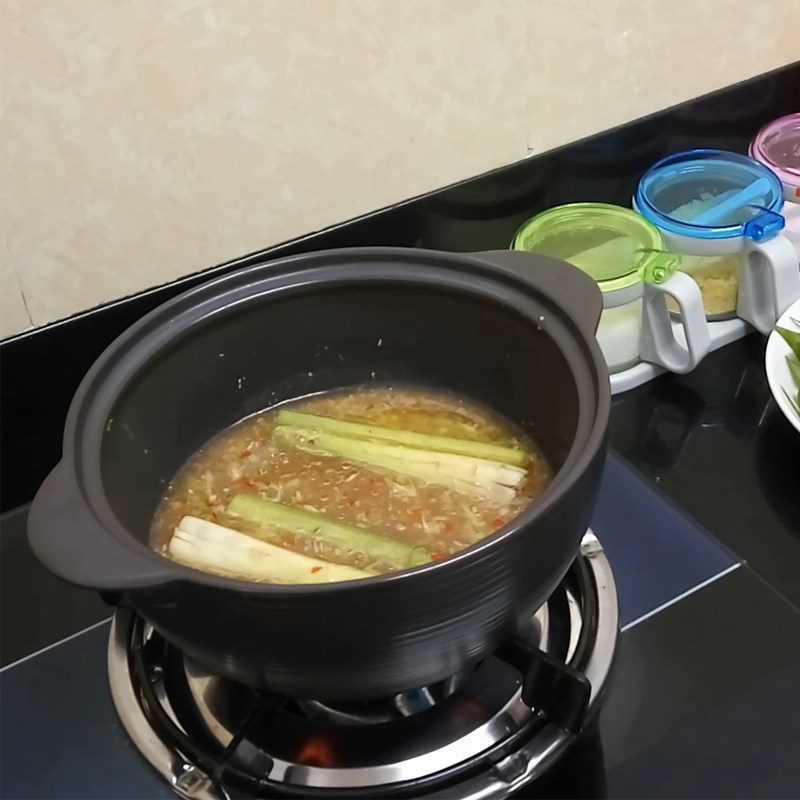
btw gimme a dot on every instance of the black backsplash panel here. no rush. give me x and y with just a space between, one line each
41 369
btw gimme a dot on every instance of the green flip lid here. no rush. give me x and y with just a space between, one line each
614 245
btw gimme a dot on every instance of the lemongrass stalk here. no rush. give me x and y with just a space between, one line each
376 548
469 475
205 545
424 441
502 495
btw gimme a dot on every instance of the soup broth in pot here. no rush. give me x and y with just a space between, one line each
348 485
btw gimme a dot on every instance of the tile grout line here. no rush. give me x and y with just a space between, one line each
682 596
55 644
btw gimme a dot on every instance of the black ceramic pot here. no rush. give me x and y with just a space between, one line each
514 331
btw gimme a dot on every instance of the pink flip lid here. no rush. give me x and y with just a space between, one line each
777 146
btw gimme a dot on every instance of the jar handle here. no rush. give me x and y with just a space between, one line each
769 282
659 344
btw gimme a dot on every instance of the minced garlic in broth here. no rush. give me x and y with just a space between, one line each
244 459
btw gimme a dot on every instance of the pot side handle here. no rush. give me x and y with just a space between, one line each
571 288
65 536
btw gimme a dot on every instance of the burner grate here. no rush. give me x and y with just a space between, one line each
497 725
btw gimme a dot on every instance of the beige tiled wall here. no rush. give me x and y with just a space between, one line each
147 139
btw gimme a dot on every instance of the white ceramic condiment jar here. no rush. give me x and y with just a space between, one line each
624 254
722 210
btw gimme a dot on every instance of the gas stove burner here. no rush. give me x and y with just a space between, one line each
484 732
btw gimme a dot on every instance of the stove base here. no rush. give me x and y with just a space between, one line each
483 734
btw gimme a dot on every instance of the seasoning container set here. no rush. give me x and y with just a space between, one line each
625 254
706 242
721 212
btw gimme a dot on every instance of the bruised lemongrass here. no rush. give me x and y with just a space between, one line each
205 545
463 473
269 515
424 441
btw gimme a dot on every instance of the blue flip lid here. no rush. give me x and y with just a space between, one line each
712 194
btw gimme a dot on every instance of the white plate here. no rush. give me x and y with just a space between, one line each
778 374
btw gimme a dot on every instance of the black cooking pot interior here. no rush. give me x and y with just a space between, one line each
324 338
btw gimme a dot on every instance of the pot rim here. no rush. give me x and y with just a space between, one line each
88 412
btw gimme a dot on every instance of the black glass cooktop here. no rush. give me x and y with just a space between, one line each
699 513
707 675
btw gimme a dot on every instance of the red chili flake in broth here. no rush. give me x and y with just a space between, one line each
437 556
449 527
245 454
498 523
249 484
315 569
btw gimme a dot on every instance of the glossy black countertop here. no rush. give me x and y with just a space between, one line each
716 442
704 697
